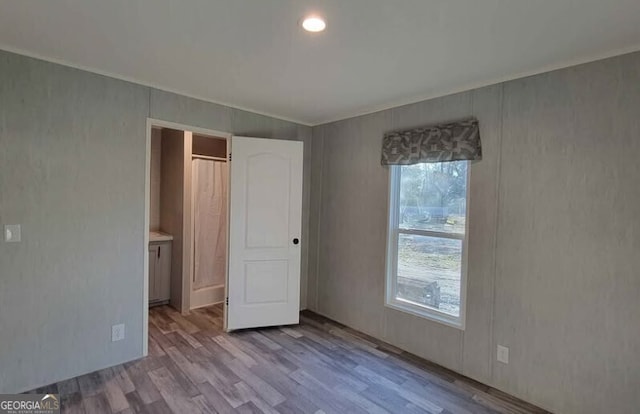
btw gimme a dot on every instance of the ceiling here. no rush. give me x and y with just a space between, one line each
375 54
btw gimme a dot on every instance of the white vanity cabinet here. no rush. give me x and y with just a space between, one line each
159 270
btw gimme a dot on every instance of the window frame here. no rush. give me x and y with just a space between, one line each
391 274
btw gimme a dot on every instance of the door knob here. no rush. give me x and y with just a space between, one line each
296 241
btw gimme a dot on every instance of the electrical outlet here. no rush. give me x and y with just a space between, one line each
117 332
12 233
503 354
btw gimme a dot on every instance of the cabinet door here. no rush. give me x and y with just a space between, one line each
154 250
163 271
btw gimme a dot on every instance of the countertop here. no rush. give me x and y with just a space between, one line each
158 236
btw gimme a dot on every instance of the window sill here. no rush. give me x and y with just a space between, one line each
426 313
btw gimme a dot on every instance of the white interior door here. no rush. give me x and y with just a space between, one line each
264 233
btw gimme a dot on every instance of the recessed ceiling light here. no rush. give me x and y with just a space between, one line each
313 24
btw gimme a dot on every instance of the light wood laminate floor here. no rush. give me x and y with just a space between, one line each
319 366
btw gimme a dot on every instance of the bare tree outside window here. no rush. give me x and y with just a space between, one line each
430 211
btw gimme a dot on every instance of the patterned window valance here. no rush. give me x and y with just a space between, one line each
438 143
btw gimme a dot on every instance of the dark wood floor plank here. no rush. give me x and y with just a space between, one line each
190 339
234 350
312 361
297 404
90 384
259 385
192 370
500 405
230 393
204 405
388 399
318 367
112 390
279 380
69 386
96 403
268 343
154 347
316 336
262 405
248 408
160 321
172 393
145 364
362 402
358 342
346 360
181 320
455 403
217 352
291 332
215 399
421 401
268 357
71 403
205 323
179 377
135 403
160 407
505 398
161 339
144 387
323 396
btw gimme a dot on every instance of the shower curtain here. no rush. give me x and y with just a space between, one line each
209 189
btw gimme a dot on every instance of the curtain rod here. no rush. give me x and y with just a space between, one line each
204 157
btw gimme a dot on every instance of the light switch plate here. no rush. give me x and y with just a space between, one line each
503 354
12 233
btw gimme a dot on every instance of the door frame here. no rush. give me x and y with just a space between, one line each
151 122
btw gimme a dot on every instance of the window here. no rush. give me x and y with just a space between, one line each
426 260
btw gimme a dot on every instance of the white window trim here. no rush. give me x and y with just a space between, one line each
393 231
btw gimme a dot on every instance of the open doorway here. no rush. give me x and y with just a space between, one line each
186 217
218 233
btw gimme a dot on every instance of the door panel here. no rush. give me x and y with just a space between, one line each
265 218
266 281
268 199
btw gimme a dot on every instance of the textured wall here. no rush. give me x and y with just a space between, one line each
72 157
72 172
568 267
553 239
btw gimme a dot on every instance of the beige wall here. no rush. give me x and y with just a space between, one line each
72 172
553 239
172 202
156 163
